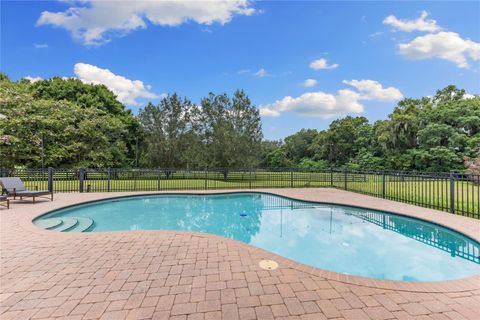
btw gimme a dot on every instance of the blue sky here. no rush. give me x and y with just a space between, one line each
373 52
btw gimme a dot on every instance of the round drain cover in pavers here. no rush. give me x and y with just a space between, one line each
268 264
48 223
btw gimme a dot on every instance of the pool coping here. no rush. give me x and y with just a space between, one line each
449 221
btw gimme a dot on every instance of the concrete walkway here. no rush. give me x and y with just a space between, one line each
183 275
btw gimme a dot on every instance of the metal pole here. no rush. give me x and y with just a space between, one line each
345 178
108 177
383 184
452 193
331 176
206 179
291 178
43 153
134 174
81 176
50 179
250 179
136 153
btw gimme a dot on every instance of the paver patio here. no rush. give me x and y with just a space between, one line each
184 275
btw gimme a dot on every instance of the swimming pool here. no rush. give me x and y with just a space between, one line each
337 238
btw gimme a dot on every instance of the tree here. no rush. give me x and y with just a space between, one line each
436 159
223 133
67 123
231 131
432 133
72 134
298 146
89 96
268 146
169 133
308 163
246 131
440 135
278 159
365 159
405 121
472 165
346 137
429 133
449 93
74 90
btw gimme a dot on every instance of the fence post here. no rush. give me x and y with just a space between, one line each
108 179
206 186
291 178
134 180
250 178
452 193
383 184
81 176
345 178
158 178
331 176
50 179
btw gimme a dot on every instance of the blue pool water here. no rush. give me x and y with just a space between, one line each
337 238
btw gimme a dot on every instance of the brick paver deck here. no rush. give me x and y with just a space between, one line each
183 275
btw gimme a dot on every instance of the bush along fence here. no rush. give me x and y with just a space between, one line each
453 192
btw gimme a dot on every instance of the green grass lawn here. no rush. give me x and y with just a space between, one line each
427 192
432 194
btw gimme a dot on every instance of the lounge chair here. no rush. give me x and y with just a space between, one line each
15 187
4 202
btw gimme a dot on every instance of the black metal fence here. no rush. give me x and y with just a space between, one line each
453 192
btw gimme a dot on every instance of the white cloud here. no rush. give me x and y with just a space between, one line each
419 24
446 45
443 45
322 64
126 90
469 96
267 112
317 104
95 21
327 105
375 34
373 90
309 83
33 79
243 71
261 73
40 45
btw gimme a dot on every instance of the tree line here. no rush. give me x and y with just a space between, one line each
66 123
220 132
439 133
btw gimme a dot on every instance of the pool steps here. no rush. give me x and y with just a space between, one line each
66 224
48 223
